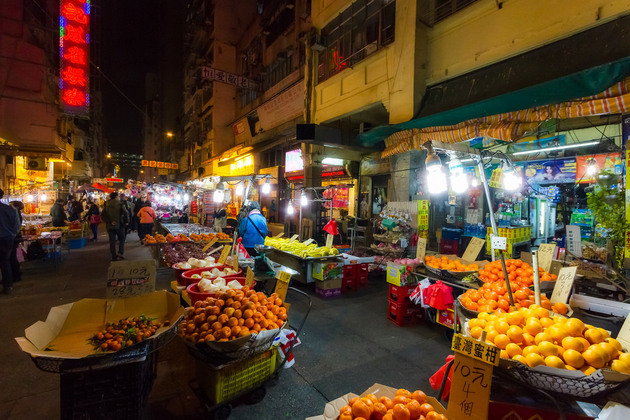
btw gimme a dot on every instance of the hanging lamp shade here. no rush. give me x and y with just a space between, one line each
331 227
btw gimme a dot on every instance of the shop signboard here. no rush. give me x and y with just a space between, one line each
282 108
293 161
574 240
558 171
609 162
74 56
193 207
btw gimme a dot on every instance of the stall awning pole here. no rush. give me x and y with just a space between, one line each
495 232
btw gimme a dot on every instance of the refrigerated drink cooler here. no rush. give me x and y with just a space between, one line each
542 218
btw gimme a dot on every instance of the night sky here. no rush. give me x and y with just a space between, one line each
130 48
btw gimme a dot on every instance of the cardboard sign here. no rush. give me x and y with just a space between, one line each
564 285
279 235
545 255
470 388
293 238
309 241
209 244
249 277
235 262
624 335
421 249
329 240
473 249
224 254
479 350
282 284
574 240
130 278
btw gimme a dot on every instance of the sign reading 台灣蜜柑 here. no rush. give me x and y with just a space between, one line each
468 346
130 278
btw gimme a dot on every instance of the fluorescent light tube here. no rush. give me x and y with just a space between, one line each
550 149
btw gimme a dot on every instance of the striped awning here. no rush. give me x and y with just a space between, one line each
511 126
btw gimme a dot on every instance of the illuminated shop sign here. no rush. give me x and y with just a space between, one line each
74 52
293 161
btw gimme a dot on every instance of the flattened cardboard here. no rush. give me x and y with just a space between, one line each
68 327
331 411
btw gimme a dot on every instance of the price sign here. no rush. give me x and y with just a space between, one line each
209 244
293 238
564 284
249 277
574 240
279 235
224 254
235 262
329 240
545 255
421 249
282 284
130 278
479 350
309 241
470 388
624 334
473 249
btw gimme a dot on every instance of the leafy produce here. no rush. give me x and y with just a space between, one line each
534 337
444 263
518 271
232 314
300 248
493 297
124 333
406 405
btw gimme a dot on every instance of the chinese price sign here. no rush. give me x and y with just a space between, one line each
282 284
545 255
224 254
470 388
130 278
476 349
496 180
74 39
564 285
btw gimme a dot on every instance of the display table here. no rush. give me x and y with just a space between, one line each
303 266
50 242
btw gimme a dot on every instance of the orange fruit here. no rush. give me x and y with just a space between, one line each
419 396
379 411
547 348
503 354
401 412
520 358
403 392
594 336
514 318
588 369
574 327
528 339
530 349
575 343
501 326
560 308
543 336
603 332
557 332
546 322
616 344
533 326
573 358
534 360
620 366
361 409
554 361
540 312
501 341
414 408
426 408
513 349
609 349
387 402
624 357
401 399
475 332
372 398
594 358
515 334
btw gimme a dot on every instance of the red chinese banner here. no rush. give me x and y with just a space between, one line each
74 39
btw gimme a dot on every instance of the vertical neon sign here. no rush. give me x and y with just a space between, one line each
74 42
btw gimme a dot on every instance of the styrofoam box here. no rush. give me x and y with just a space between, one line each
351 259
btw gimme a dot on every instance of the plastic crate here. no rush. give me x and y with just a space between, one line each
348 284
400 293
362 280
224 384
120 391
401 314
77 243
349 271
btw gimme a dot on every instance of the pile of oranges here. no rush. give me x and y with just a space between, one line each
518 271
444 263
232 314
493 297
534 337
406 405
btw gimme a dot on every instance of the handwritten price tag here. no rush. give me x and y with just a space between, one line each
545 255
282 285
470 389
130 278
279 235
329 240
421 249
235 262
293 238
249 277
209 244
473 248
309 241
224 254
564 285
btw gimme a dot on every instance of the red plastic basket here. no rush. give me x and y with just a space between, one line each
195 294
401 314
400 293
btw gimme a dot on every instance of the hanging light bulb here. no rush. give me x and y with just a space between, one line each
30 198
436 178
290 209
459 181
511 181
303 198
592 169
474 182
186 197
43 197
219 195
266 188
239 189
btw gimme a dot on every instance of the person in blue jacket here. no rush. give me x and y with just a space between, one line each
253 228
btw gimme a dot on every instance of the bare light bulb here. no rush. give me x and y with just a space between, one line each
266 188
239 189
303 199
290 209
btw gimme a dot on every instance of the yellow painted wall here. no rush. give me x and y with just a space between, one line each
385 76
482 34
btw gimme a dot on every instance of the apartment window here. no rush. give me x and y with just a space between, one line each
357 32
278 70
248 96
435 11
207 124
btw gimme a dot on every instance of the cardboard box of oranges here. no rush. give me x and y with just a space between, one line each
331 411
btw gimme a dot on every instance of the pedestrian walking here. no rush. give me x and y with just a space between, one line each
93 216
9 228
135 222
15 263
146 216
58 214
116 219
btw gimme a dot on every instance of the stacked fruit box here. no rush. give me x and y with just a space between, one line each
400 309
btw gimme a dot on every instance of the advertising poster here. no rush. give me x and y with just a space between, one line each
557 171
339 196
610 162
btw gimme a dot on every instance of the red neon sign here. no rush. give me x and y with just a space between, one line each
74 39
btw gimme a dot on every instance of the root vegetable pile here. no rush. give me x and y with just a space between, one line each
232 314
125 332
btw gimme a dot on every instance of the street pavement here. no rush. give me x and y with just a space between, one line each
348 344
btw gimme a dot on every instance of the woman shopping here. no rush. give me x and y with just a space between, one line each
147 217
93 215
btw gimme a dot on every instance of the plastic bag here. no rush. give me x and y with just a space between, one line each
284 340
439 296
438 377
20 253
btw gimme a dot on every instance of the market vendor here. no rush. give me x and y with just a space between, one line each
253 228
58 214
